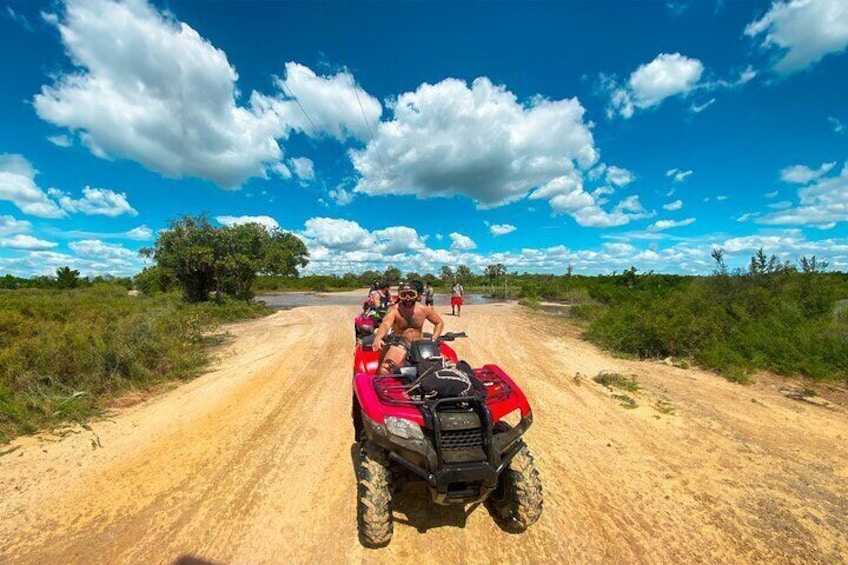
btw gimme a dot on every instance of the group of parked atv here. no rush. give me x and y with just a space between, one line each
437 420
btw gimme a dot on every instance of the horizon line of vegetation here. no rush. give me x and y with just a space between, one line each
68 344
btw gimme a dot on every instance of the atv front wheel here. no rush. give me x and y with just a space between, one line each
374 500
517 502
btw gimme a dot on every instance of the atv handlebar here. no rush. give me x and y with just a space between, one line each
450 336
396 339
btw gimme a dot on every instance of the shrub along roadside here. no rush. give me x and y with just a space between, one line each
782 320
63 354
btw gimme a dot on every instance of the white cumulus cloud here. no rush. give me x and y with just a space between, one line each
60 140
500 229
667 75
668 224
679 175
566 195
10 225
17 185
149 88
266 221
801 32
97 201
303 167
672 206
461 242
823 203
26 242
111 253
449 139
328 105
336 243
340 196
799 174
619 176
141 233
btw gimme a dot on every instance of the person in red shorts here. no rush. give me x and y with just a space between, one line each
457 294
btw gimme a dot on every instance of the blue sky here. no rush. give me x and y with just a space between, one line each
538 135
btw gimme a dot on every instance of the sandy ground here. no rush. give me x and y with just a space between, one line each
252 463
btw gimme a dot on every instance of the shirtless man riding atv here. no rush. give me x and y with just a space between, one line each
405 319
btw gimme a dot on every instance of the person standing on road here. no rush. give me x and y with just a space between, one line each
457 295
428 295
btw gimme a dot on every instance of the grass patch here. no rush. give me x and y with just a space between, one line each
625 400
663 406
530 302
64 354
616 380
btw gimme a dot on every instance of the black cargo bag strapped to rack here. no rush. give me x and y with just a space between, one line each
440 378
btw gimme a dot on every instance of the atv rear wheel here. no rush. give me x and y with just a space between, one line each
374 500
517 502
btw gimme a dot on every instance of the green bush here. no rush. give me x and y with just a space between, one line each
771 320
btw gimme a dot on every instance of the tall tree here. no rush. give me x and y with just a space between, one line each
392 275
494 273
67 277
203 258
446 275
251 249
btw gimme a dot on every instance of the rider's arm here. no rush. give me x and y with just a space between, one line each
434 317
388 320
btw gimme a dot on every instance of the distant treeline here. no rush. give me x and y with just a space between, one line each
74 281
791 319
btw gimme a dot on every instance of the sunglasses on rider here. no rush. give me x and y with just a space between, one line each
408 294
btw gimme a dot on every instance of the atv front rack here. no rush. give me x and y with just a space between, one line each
394 389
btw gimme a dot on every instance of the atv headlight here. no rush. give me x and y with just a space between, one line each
513 418
404 428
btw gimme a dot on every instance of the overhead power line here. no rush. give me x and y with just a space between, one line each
290 94
367 125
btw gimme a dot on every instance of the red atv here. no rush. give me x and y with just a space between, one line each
438 420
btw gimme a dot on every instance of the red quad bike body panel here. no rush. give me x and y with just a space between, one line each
381 396
364 323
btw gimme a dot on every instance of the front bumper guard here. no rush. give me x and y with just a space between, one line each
409 452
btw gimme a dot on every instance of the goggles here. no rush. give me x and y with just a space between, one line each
408 294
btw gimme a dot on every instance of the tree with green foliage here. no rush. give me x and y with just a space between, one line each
67 277
494 273
816 292
152 280
190 250
203 258
249 249
368 277
446 274
392 275
463 273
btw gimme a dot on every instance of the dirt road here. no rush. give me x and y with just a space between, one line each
252 463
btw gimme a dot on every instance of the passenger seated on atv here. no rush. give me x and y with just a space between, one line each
375 289
378 301
405 319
